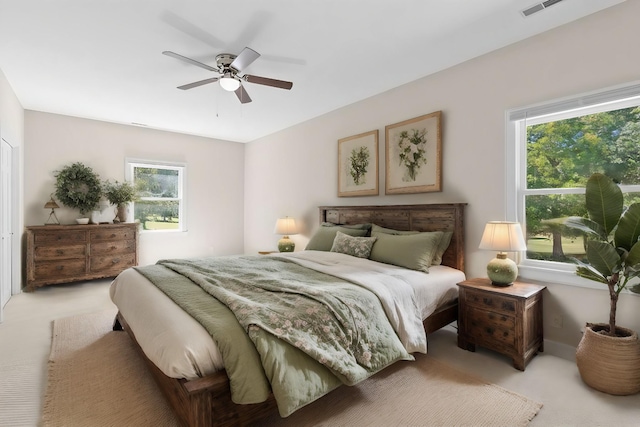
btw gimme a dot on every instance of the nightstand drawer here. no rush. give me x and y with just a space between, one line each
489 301
491 327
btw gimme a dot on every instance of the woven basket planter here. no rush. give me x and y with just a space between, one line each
609 364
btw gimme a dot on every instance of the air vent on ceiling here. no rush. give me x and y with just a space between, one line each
538 7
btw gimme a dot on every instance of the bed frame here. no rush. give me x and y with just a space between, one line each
207 401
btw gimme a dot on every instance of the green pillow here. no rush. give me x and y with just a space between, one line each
355 246
324 237
413 251
442 247
378 229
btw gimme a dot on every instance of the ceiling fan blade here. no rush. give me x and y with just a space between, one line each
189 60
199 83
268 82
246 57
242 95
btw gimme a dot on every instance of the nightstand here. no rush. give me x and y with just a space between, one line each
504 319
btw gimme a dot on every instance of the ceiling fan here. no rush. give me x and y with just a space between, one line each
229 67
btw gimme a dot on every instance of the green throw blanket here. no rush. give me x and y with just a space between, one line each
303 331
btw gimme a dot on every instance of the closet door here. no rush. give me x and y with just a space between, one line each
5 223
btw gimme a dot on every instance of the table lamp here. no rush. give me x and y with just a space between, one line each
53 218
502 236
286 227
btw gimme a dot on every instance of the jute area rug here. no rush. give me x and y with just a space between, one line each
96 378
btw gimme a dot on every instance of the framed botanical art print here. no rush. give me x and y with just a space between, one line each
358 165
414 155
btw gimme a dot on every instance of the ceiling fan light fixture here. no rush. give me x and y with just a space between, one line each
228 83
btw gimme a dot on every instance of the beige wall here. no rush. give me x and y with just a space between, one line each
215 178
294 171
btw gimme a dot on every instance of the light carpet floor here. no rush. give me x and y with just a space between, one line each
96 378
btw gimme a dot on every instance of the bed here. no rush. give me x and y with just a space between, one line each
200 393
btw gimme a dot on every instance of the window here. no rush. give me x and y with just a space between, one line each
160 187
556 147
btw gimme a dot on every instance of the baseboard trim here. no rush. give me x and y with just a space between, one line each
558 349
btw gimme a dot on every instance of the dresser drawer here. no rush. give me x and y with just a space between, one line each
113 248
489 301
66 237
112 234
42 253
52 270
116 263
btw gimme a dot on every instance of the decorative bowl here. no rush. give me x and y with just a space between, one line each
82 220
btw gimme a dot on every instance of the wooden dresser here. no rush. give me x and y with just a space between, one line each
70 253
504 319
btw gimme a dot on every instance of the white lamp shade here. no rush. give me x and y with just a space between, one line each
286 226
503 236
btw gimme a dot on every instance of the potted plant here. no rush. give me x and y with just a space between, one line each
119 194
78 187
608 356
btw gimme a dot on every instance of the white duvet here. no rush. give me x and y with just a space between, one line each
181 348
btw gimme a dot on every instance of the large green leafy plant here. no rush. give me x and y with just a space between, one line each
612 248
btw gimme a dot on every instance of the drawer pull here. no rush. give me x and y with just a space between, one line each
113 235
115 260
59 267
60 252
490 331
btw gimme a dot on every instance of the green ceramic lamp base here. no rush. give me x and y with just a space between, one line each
286 245
502 271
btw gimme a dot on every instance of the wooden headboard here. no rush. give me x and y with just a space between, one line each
431 217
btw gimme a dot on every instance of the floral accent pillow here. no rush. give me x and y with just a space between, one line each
355 246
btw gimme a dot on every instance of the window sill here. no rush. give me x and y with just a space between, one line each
561 277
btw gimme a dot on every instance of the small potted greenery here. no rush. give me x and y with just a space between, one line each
608 355
78 187
120 194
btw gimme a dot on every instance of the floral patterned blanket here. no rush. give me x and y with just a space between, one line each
311 331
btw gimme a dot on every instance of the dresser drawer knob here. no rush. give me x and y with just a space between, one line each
60 252
59 267
113 235
115 260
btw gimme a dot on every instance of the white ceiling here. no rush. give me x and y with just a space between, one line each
101 59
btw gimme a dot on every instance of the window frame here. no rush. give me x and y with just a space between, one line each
132 163
517 120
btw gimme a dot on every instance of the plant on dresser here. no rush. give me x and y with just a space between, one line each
70 253
119 194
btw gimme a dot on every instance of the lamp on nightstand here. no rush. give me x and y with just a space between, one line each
502 236
286 227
